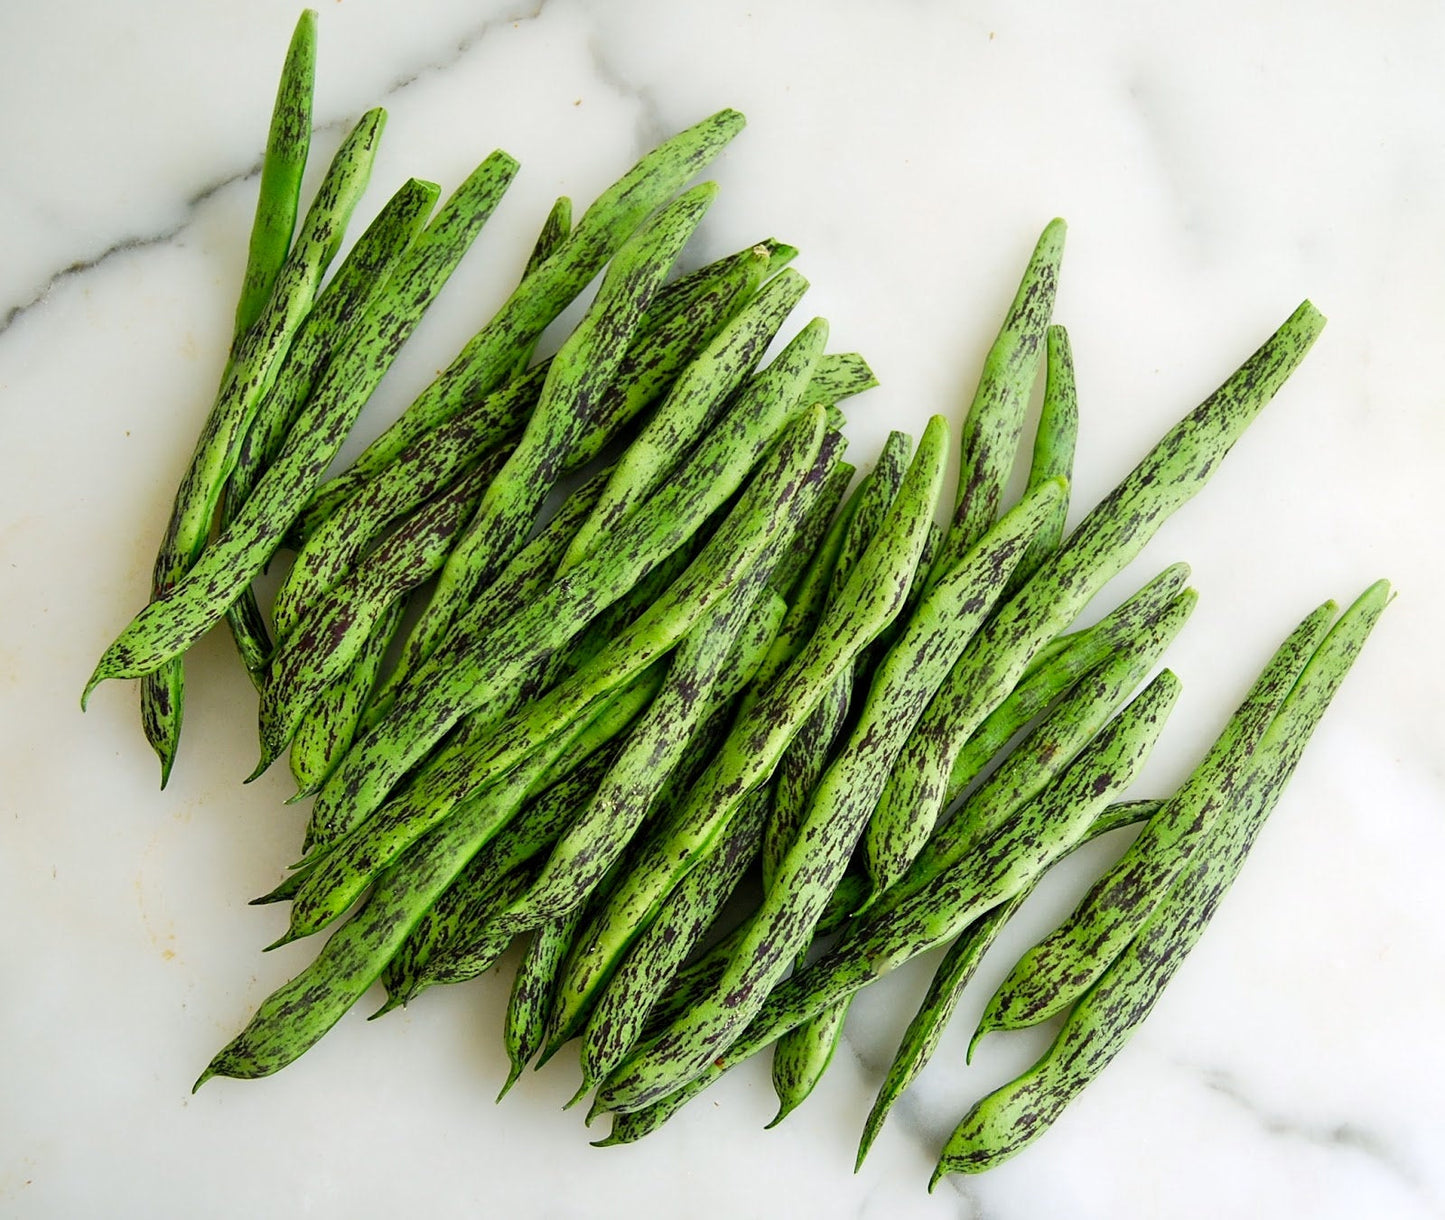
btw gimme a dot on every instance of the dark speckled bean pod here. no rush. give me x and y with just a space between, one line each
839 808
1106 540
807 754
1054 443
1101 1022
491 356
255 357
619 1011
1055 972
802 1055
326 730
805 550
956 971
995 419
324 644
997 866
481 659
531 995
576 381
692 404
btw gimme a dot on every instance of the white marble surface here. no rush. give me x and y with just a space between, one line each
1216 164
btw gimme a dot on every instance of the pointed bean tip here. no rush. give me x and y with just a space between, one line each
583 1089
203 1077
783 1111
397 1001
512 1078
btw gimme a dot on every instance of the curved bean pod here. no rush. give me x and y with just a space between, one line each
1100 1023
871 596
1055 972
1054 442
491 355
956 971
1112 534
995 418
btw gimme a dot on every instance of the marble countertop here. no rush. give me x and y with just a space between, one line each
1216 165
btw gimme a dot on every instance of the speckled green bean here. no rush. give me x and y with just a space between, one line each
1055 972
620 1009
995 418
1111 535
491 355
470 669
531 993
956 971
1055 439
577 380
1101 1022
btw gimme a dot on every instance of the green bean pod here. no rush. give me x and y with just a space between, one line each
1055 440
1049 678
839 809
578 377
254 359
323 646
1000 864
531 993
1100 1023
995 418
802 1055
329 725
491 355
1110 536
841 375
467 671
529 571
288 143
1055 972
689 408
617 1014
763 730
803 762
956 971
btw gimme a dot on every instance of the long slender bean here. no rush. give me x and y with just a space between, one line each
531 993
1054 442
1100 1023
956 971
871 597
1109 537
1055 972
491 355
466 672
995 418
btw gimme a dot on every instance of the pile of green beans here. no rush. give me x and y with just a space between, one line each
597 651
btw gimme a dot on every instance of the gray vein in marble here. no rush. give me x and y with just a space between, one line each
1150 104
1342 1137
651 127
193 206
